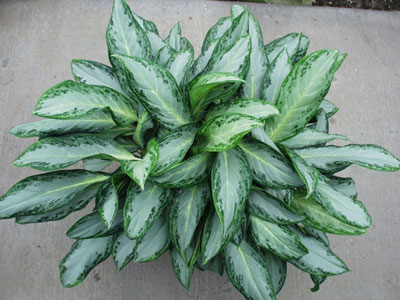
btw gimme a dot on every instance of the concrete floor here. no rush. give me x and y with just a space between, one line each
38 39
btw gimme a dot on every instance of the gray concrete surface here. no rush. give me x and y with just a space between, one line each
38 39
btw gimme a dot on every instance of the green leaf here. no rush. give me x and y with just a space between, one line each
302 49
230 183
144 125
182 271
69 100
124 35
123 250
322 123
158 92
234 59
92 226
284 195
319 218
215 33
214 265
239 28
187 173
185 213
173 147
277 268
346 186
307 174
331 159
95 164
60 152
208 88
301 93
290 42
95 73
329 108
154 243
310 137
318 280
271 209
346 209
140 170
91 123
276 238
78 202
269 168
316 233
276 73
258 62
174 37
248 271
236 10
260 135
180 64
202 61
224 132
156 43
107 201
164 55
319 260
42 193
83 256
146 25
255 108
214 239
143 207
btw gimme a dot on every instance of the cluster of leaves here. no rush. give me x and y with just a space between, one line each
222 160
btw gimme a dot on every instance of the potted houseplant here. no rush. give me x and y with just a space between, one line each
222 160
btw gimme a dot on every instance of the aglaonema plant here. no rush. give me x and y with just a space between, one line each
222 160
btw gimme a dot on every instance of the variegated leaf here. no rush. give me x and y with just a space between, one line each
310 137
42 193
123 250
143 208
68 100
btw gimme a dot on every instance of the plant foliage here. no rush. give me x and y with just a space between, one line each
221 160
